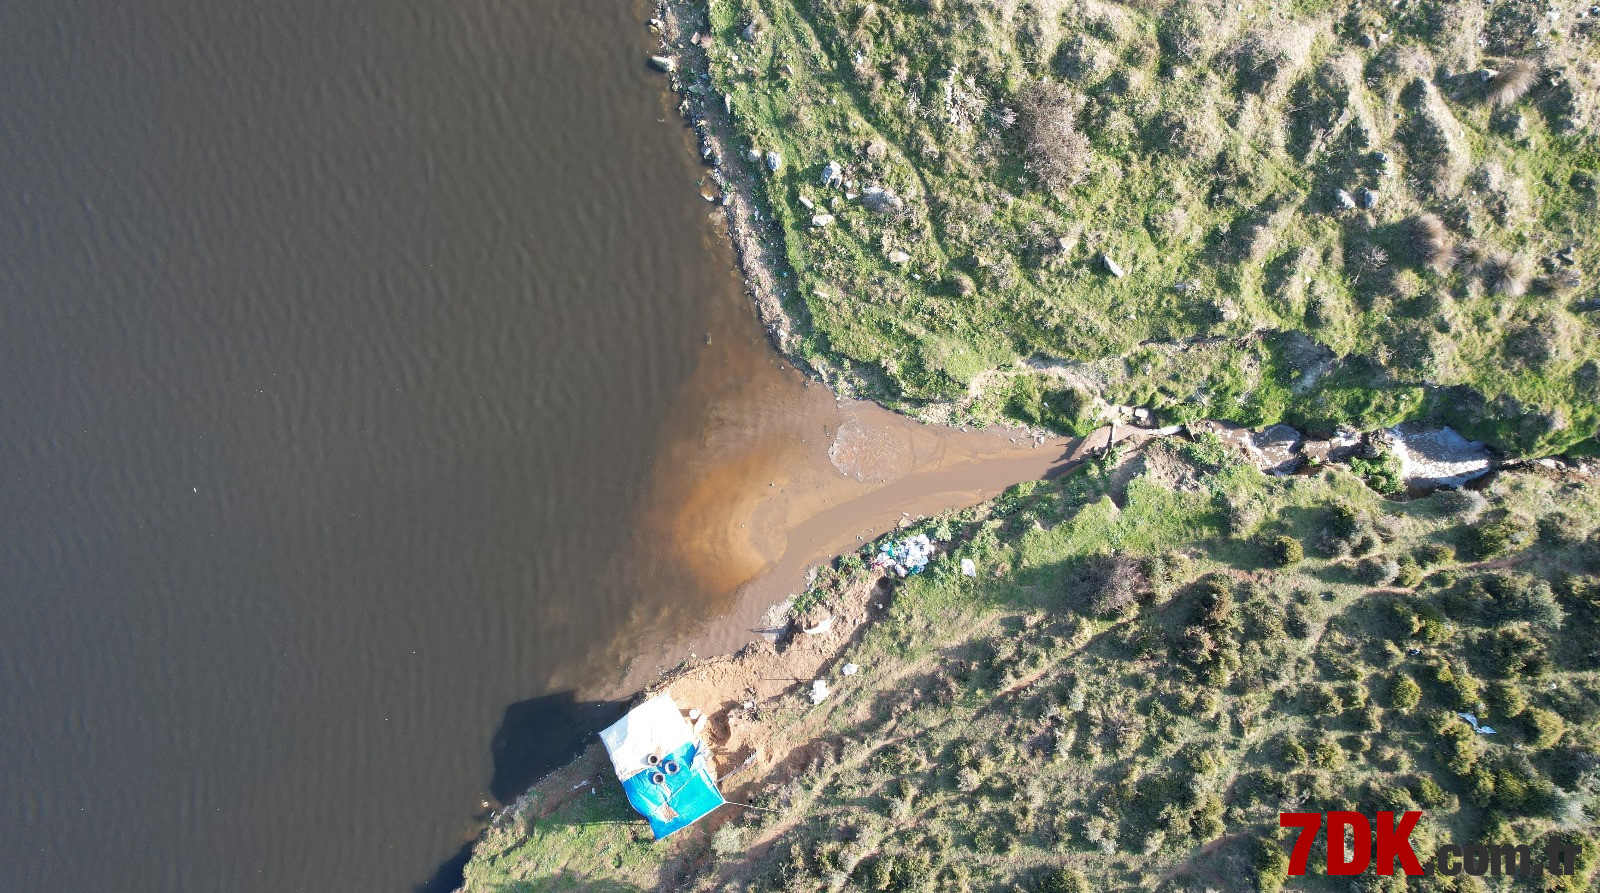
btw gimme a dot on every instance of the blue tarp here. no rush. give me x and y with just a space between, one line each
663 767
671 800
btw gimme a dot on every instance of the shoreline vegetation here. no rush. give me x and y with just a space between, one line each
1049 212
1339 218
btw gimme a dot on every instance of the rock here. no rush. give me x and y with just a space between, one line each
665 64
833 174
1344 200
881 199
753 155
750 32
1112 266
807 204
774 161
968 568
899 257
1368 41
821 220
1367 198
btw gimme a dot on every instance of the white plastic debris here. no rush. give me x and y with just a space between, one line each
822 627
852 669
819 691
969 568
694 713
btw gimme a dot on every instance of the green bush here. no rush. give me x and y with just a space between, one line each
1431 555
1286 551
1492 539
1405 695
1409 573
1270 865
1542 727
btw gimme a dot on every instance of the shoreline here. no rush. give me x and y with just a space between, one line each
747 228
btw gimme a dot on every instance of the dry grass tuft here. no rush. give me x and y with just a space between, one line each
1058 153
1511 83
1507 274
1431 243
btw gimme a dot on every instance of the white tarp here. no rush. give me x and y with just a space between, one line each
655 727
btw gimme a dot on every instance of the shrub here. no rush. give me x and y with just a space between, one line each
1563 529
1542 727
1405 695
1492 539
1270 864
1124 582
1410 573
1060 880
1379 570
1464 504
1058 153
1506 699
1431 555
1287 550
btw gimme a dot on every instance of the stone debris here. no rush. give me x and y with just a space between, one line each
968 568
899 257
1112 266
881 199
664 64
821 220
832 174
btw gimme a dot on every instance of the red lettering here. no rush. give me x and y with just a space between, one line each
1395 843
1361 851
1309 824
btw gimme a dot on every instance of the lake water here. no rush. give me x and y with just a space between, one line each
377 405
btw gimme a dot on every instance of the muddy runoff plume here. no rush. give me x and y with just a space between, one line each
765 473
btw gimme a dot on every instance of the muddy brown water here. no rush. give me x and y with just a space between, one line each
375 397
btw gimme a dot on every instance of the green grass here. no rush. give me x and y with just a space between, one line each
1207 169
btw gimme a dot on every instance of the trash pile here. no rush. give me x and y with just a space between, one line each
909 556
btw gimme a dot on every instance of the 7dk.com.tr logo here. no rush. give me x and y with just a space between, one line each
1351 849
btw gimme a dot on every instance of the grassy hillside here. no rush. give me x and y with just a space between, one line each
1158 656
1321 213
